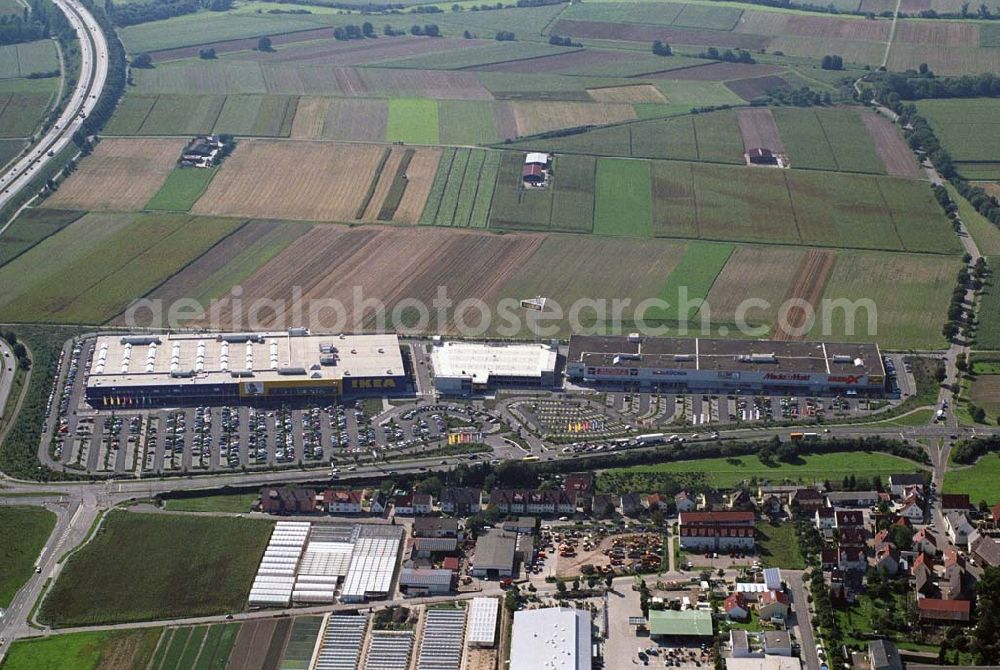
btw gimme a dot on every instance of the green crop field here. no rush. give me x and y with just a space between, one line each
907 294
988 332
985 233
623 202
30 228
728 472
182 189
573 197
84 651
26 530
692 279
967 129
183 115
257 115
467 122
20 113
470 58
205 27
151 566
20 60
301 642
196 648
516 207
413 120
90 270
9 150
979 480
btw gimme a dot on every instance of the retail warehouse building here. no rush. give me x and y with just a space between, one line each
727 366
177 369
467 368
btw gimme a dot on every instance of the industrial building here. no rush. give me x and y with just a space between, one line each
495 554
483 622
726 366
680 624
551 637
181 368
467 368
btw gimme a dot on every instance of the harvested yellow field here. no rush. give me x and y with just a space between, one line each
760 272
309 118
540 117
121 175
306 181
419 177
627 94
384 182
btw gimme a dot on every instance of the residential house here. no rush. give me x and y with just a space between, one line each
582 484
427 526
851 558
955 502
740 499
852 499
525 525
343 502
739 644
656 503
685 502
412 504
886 559
736 607
460 501
711 500
852 536
923 582
883 655
630 504
995 513
806 500
925 541
898 483
773 605
881 539
986 552
824 518
379 504
911 510
533 501
603 504
959 528
940 611
771 504
848 519
717 531
777 643
287 500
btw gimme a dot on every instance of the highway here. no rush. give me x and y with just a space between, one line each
93 74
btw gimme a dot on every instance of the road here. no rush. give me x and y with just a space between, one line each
7 365
803 618
93 75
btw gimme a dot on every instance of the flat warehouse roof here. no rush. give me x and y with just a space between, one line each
216 358
483 620
726 355
479 361
685 623
552 637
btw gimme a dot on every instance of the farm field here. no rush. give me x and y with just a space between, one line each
27 529
121 175
101 650
978 480
181 189
230 261
21 60
301 642
728 472
462 189
988 332
202 576
412 120
259 644
623 204
985 233
104 262
9 150
21 112
907 318
205 647
692 280
308 181
30 228
967 129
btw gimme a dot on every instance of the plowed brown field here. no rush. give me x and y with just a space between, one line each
384 264
758 129
810 280
894 152
307 181
121 175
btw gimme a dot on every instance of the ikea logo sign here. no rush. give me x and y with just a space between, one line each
373 383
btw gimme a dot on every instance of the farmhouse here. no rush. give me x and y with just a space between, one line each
761 156
536 168
256 367
726 366
466 368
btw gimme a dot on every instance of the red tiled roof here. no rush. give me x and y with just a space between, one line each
938 605
717 517
769 597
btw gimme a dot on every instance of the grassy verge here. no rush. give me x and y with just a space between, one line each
779 546
84 651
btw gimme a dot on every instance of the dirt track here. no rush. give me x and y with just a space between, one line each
810 280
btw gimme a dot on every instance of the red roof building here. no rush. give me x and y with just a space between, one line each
533 173
717 531
934 609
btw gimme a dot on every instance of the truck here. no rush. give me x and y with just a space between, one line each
803 436
651 438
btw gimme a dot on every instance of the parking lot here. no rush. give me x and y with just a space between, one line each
230 437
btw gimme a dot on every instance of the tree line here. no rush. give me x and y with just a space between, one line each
133 13
39 20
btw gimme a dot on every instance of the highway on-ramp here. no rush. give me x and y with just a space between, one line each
93 74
